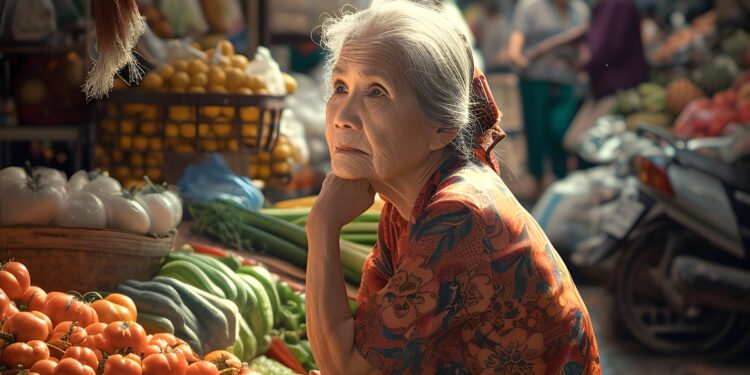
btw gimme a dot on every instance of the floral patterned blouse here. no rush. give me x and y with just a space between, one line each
470 286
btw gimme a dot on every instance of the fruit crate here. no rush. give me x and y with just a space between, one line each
156 134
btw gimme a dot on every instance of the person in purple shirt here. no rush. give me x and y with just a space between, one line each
616 61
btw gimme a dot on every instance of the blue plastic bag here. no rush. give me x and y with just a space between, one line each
212 180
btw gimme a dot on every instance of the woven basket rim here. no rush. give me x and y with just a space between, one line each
101 241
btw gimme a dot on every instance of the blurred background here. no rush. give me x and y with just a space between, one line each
628 128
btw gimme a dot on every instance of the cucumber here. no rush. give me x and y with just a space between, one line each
249 342
238 348
269 285
264 303
219 333
228 308
157 304
191 321
190 274
215 270
251 314
155 324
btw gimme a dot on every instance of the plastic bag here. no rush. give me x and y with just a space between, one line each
212 180
33 20
264 65
182 50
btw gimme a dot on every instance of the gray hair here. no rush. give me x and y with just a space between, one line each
437 58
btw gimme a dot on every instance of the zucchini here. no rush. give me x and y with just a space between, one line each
219 330
155 324
216 271
269 285
189 273
264 303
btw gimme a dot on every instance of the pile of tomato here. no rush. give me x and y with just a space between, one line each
71 334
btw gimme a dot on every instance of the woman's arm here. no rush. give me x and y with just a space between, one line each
515 50
330 325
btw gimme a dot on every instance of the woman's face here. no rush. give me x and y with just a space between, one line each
374 125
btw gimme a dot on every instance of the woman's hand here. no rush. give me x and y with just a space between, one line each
340 201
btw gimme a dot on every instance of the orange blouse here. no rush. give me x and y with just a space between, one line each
470 286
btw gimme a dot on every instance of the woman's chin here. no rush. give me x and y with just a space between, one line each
348 170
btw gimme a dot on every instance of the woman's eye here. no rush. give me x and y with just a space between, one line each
339 88
376 92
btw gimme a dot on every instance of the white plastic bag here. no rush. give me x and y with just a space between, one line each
265 66
182 50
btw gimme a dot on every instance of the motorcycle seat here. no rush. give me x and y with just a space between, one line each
735 177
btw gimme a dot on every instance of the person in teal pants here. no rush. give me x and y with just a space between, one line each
541 46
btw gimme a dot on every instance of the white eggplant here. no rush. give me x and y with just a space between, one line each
160 211
8 177
77 181
176 207
31 203
50 176
82 210
126 214
103 186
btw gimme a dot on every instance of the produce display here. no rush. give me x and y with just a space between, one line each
133 136
268 234
59 333
45 197
216 303
700 101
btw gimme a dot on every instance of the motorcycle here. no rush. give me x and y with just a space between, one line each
679 244
571 210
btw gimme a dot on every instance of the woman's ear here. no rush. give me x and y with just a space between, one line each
442 137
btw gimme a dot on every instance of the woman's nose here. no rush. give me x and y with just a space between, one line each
347 117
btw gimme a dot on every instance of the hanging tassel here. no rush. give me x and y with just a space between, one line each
119 25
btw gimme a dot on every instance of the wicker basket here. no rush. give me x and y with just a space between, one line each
157 134
83 260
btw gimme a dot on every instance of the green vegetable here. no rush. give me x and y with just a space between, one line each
264 277
155 324
189 273
268 366
216 271
220 327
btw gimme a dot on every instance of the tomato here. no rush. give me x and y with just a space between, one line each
125 302
33 299
24 354
165 363
116 307
95 338
11 310
70 366
4 303
123 336
223 359
44 367
127 365
84 355
202 368
14 279
160 341
62 306
27 326
68 334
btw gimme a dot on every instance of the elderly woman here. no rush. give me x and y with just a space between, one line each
462 279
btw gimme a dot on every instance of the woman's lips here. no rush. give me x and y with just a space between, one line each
345 148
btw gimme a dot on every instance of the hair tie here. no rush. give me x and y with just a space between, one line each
486 117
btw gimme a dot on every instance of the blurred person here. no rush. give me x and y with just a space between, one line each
492 30
542 47
615 61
